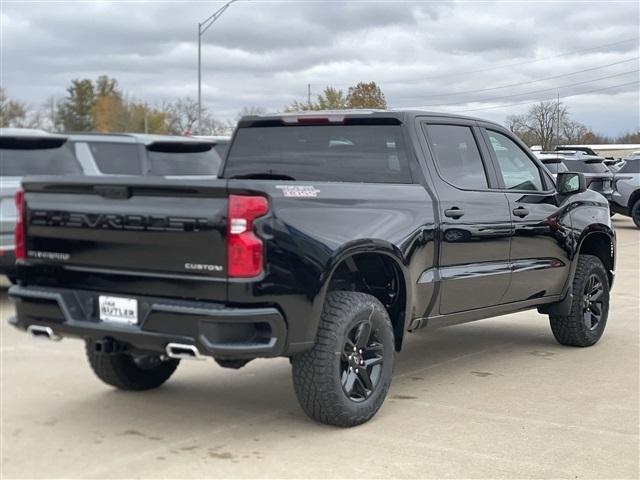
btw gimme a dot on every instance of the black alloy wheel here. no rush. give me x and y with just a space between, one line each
362 362
593 302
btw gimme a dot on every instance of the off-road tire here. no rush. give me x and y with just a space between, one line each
635 213
317 372
122 372
572 329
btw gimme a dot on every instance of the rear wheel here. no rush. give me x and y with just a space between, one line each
585 323
635 213
128 372
344 379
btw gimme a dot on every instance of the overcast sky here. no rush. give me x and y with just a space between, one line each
445 56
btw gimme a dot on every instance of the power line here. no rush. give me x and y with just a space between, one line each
530 92
529 102
532 81
507 65
527 62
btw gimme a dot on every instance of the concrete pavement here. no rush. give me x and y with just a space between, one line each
492 399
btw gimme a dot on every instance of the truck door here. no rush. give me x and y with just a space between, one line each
541 240
475 222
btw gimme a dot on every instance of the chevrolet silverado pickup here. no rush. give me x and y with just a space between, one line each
327 239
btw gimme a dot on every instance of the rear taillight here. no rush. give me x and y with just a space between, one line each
245 250
20 250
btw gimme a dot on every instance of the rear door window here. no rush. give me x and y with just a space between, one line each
367 153
457 156
116 158
15 162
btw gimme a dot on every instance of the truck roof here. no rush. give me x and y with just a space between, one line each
401 114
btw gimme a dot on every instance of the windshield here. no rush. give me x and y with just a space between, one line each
332 153
41 161
181 163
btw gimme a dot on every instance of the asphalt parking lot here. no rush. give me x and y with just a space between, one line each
491 399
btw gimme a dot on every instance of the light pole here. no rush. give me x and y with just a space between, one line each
202 28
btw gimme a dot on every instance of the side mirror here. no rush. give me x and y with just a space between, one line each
571 182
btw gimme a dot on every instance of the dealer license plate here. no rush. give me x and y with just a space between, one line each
118 310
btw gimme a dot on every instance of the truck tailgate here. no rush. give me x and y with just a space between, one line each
146 227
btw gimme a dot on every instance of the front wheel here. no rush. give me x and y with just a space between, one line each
344 379
587 319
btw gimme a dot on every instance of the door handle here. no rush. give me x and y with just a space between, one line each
521 212
454 212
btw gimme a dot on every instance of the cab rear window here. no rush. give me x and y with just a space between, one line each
332 153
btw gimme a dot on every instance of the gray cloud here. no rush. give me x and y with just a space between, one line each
265 52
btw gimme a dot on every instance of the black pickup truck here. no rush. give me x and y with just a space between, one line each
327 238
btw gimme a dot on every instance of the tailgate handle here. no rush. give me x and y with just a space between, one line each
113 191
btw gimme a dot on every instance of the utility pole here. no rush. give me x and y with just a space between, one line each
558 120
202 28
309 95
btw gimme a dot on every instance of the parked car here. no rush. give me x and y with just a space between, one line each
552 161
598 177
625 199
141 154
327 239
220 142
36 152
574 149
25 151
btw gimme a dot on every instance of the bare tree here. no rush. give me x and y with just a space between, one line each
574 132
182 116
211 126
544 120
547 124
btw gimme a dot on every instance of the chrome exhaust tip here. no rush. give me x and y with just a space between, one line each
41 332
181 351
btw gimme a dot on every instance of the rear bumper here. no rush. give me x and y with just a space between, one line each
216 330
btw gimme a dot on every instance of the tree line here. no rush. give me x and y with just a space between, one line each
548 124
101 105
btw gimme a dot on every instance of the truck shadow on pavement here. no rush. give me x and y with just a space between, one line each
196 398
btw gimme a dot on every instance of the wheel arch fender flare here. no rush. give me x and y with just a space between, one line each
592 231
349 250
